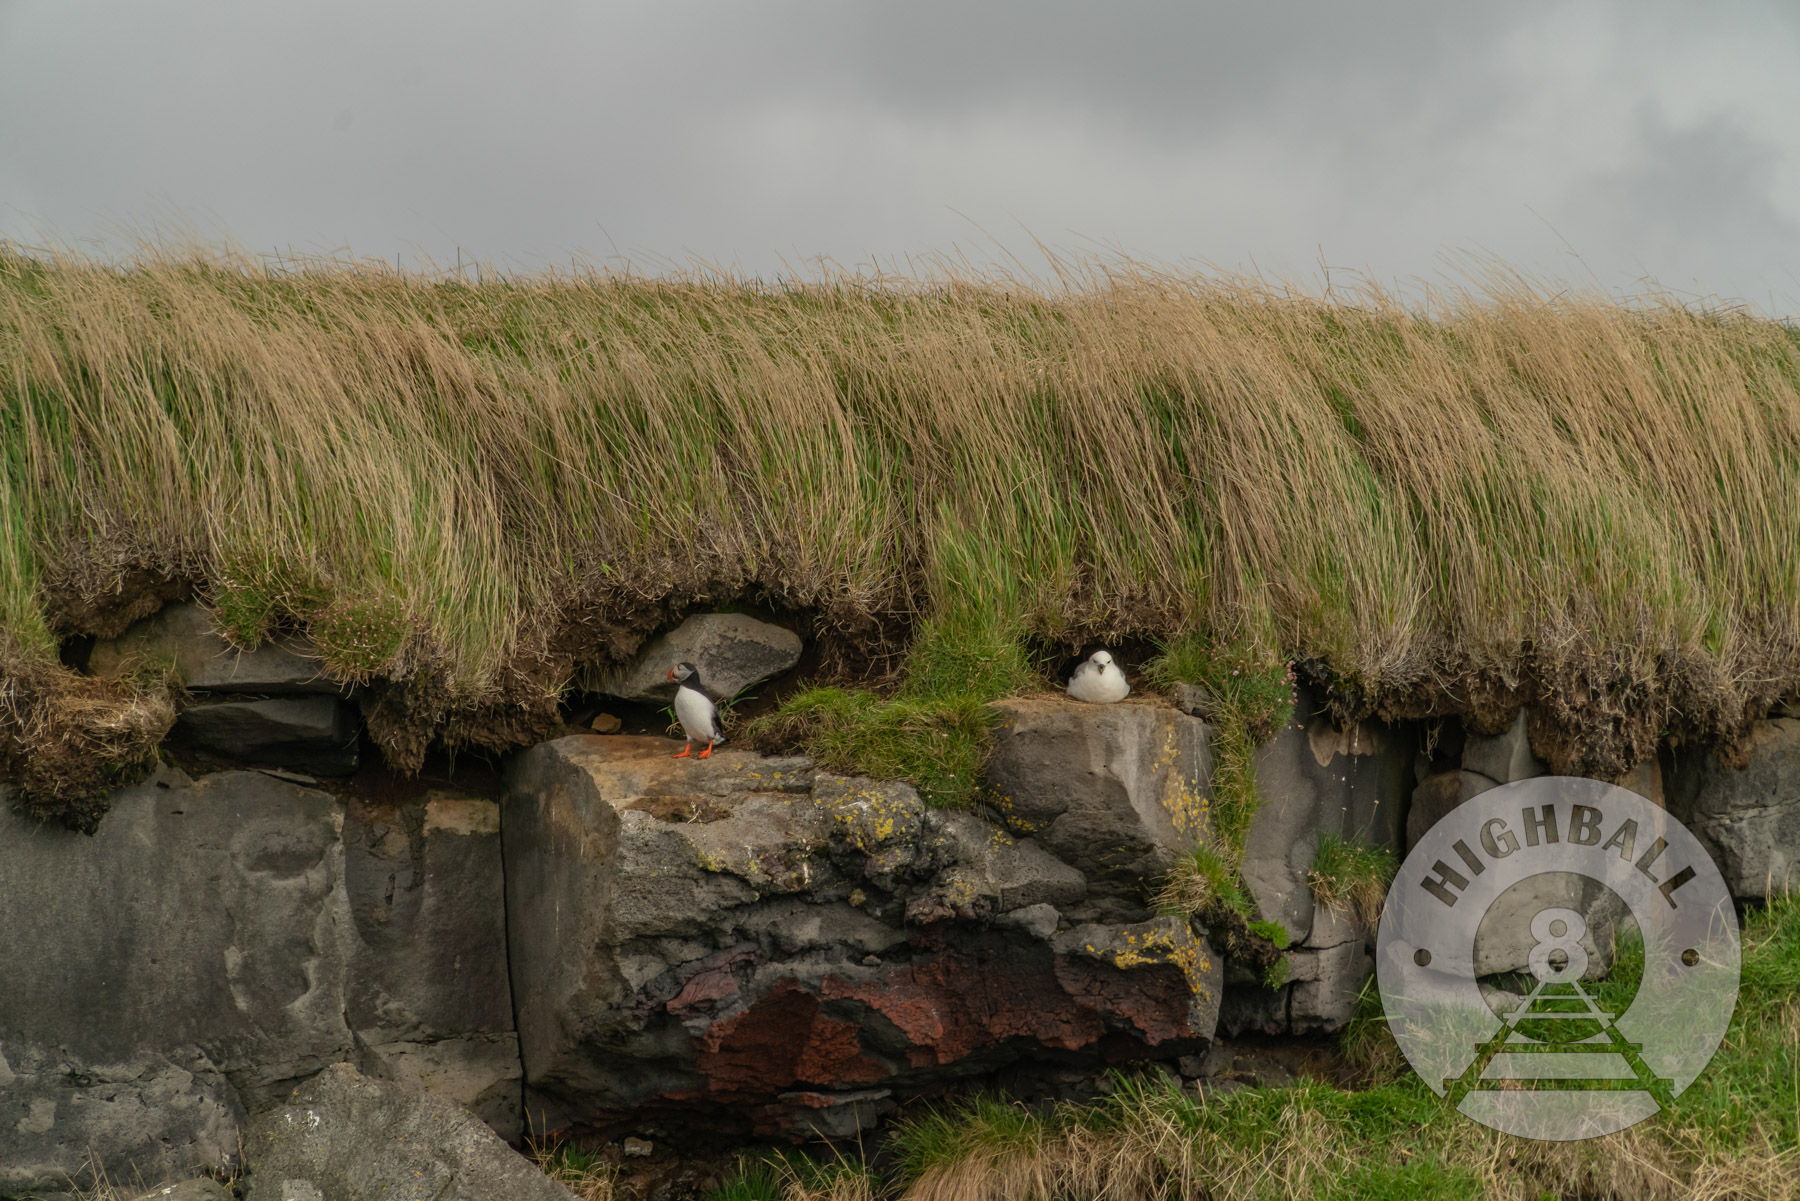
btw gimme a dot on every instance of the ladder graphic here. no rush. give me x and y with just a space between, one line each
1567 1002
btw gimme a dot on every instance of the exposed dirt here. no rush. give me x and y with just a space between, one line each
104 601
67 741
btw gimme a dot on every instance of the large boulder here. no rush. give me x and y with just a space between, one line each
182 637
218 939
345 1137
1748 817
730 651
745 945
314 734
1113 790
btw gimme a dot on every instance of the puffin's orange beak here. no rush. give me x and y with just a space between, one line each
671 673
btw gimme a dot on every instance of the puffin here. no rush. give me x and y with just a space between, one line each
698 716
1097 681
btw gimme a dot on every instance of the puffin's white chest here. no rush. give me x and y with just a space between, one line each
1098 685
698 716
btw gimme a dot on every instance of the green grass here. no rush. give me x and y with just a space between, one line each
1200 879
934 731
470 495
1351 875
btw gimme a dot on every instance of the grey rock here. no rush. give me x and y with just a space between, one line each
217 940
1253 1009
429 1001
1039 921
1437 795
1749 818
182 637
1315 778
349 1138
1646 779
880 821
167 972
1319 996
984 870
1112 790
314 734
1325 987
836 1116
731 652
198 1188
1503 758
479 1072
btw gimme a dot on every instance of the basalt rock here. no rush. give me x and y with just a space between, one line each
1316 778
1749 817
744 945
313 734
345 1137
731 652
217 939
1439 793
1115 790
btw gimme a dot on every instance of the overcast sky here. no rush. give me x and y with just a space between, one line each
1650 139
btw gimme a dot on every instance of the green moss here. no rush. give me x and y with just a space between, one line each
1275 932
934 731
936 745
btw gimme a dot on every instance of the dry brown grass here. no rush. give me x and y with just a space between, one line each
588 1176
469 493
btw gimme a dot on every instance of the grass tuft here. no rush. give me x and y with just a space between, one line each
1352 876
1196 882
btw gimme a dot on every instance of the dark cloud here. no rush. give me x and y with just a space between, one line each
1381 134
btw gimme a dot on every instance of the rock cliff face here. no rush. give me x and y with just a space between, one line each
221 938
752 946
723 948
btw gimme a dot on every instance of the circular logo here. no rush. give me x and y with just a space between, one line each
1558 958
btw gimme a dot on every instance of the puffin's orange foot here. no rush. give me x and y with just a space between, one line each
705 754
685 752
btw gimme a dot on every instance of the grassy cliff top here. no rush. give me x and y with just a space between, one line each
469 492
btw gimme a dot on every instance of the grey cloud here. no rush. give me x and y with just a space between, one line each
1380 133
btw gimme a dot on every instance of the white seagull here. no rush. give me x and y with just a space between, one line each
698 716
1097 681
